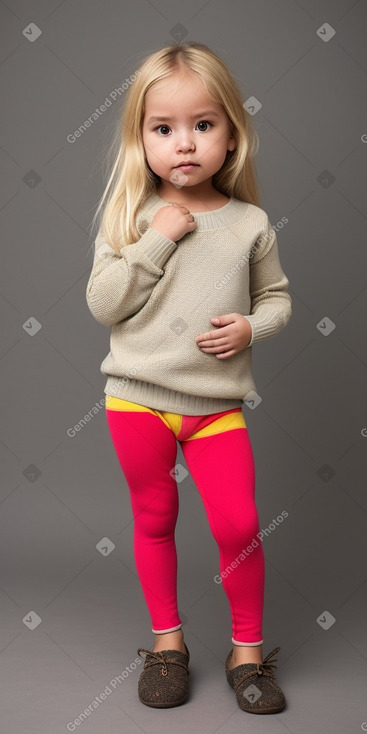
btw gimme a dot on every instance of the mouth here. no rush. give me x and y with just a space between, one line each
187 166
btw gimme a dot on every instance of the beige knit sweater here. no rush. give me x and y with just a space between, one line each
158 295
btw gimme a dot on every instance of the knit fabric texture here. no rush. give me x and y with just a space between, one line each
157 295
164 681
254 683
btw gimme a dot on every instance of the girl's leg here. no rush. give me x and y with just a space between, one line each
146 449
222 466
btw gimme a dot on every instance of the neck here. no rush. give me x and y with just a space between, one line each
207 219
193 197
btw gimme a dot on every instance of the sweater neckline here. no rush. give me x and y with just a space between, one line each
213 218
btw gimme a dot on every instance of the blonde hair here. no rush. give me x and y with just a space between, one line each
132 180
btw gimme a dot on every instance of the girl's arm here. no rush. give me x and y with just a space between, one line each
271 304
119 285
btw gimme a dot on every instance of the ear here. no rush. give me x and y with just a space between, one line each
231 142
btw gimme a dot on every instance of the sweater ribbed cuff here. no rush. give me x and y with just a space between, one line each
265 323
156 246
252 333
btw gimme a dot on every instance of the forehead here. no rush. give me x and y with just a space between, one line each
178 92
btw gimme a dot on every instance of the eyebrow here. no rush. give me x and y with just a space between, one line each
198 114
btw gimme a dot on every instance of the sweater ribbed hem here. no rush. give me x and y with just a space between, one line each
161 398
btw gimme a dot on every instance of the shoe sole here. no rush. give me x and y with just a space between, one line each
164 705
265 711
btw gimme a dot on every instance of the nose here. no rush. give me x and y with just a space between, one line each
185 141
185 147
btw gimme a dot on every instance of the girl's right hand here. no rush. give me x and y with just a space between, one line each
173 221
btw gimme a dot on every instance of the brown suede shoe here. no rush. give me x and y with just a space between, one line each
164 680
255 687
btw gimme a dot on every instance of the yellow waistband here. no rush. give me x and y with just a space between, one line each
174 420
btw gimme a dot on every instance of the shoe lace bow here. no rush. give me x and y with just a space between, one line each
264 668
157 658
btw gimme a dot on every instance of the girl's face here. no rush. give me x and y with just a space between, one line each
190 127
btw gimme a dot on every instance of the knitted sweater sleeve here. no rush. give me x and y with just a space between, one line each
120 285
271 304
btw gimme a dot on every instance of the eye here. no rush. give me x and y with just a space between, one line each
158 126
202 122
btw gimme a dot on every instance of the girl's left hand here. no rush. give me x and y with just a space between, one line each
235 335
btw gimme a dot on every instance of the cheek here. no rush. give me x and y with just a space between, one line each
149 139
145 143
215 154
150 150
159 151
214 147
152 143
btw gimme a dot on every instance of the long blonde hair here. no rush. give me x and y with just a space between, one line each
132 180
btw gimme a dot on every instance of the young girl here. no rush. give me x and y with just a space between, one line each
187 273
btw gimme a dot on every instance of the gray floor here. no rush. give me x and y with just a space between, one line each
93 618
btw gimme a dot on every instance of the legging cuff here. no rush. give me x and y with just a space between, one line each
172 629
246 644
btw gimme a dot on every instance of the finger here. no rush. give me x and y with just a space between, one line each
218 351
209 337
180 206
214 342
213 334
218 348
226 354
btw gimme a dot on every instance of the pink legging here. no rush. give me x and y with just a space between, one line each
219 456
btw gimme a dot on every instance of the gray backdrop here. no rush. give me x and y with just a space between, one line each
72 610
